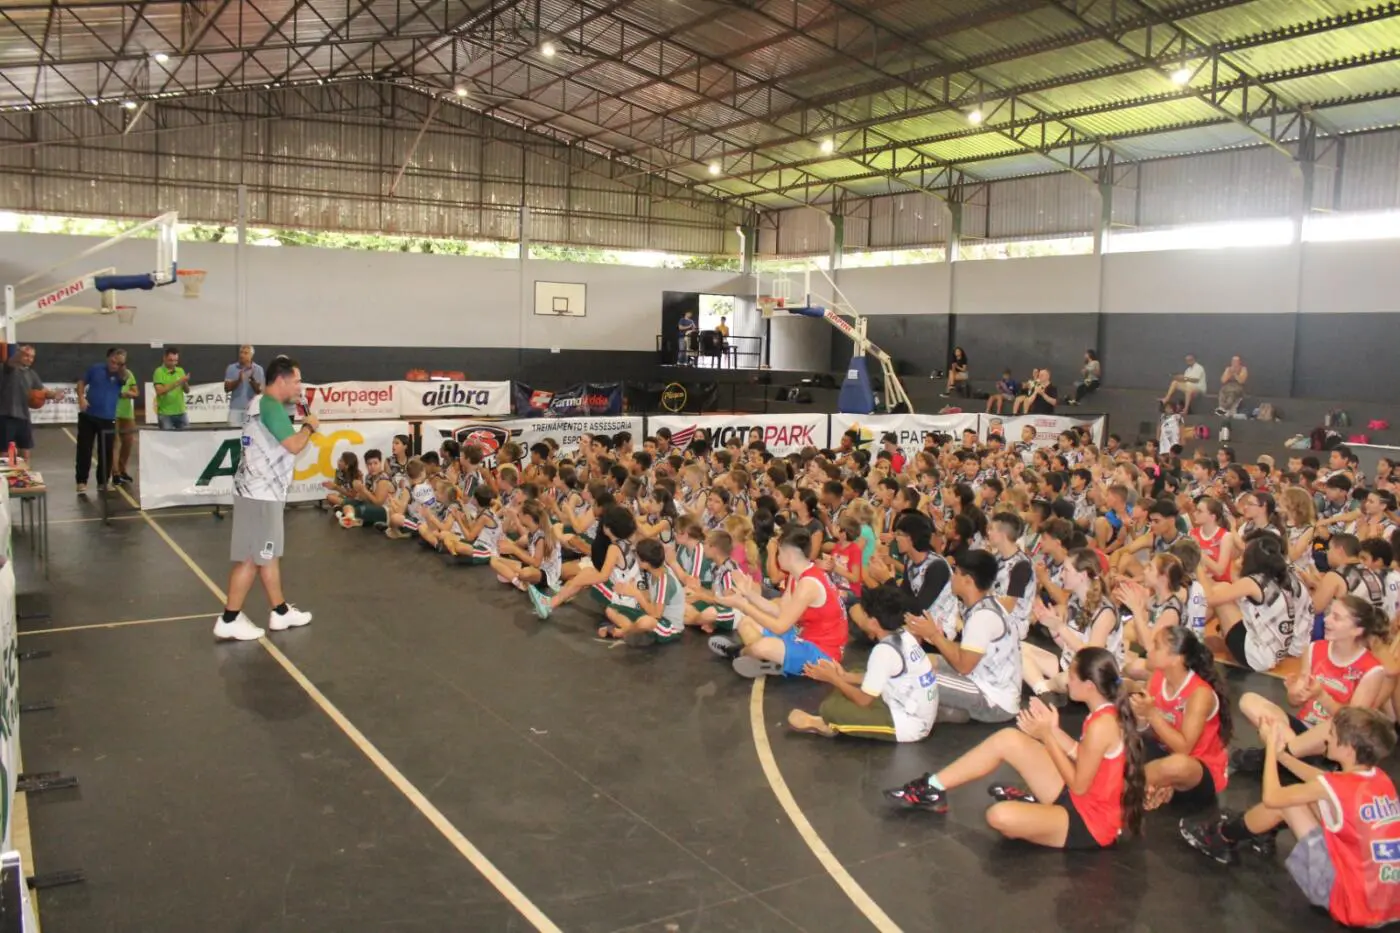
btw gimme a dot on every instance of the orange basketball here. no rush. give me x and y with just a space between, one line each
37 398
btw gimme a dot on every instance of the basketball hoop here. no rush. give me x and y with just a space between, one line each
766 304
126 314
191 280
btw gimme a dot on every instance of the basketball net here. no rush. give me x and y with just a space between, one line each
191 280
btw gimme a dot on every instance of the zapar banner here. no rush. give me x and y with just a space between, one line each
205 403
908 429
490 435
445 399
197 467
584 399
782 434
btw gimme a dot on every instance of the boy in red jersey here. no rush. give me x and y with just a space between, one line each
1347 823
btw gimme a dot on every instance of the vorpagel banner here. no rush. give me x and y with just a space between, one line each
197 467
1047 427
205 403
491 435
339 400
445 399
783 434
582 400
61 410
910 429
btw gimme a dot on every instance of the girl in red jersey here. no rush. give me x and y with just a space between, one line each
1347 822
1210 530
1097 783
1337 672
1187 712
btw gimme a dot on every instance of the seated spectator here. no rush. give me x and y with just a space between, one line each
1232 388
1004 392
1089 378
1191 382
1045 396
957 373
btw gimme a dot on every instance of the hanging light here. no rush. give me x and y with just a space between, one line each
460 90
715 168
161 58
828 146
547 49
1182 76
974 116
129 104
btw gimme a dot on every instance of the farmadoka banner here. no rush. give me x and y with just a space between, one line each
490 435
1047 427
197 467
910 429
582 400
783 434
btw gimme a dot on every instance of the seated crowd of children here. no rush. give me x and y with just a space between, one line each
979 574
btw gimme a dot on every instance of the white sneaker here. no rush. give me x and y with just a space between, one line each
240 629
292 618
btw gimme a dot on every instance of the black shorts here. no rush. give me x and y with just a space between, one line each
1077 838
17 431
1234 641
1200 795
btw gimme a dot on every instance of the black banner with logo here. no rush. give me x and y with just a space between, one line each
582 400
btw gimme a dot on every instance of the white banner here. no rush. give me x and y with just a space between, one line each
453 399
909 428
197 467
784 434
61 410
9 702
336 401
490 435
205 403
1047 427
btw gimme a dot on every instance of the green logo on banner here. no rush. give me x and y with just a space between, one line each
223 463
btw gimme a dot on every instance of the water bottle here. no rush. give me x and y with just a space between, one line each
1224 434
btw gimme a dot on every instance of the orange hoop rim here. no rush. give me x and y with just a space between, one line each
187 272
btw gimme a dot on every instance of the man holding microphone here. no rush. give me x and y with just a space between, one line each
243 381
270 448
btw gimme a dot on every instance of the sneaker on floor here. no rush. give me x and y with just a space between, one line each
1207 839
754 668
395 534
240 629
292 618
1265 846
350 521
519 584
1002 793
726 646
82 489
1247 761
381 526
920 795
540 602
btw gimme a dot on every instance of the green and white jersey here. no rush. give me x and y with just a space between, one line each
667 592
694 562
265 469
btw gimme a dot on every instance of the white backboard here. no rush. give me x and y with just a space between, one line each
561 299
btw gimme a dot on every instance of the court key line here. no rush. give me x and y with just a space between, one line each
122 624
843 878
440 822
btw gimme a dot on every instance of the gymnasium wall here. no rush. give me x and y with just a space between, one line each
1314 321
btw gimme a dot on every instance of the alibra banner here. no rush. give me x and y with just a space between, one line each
205 403
197 467
490 435
446 399
783 434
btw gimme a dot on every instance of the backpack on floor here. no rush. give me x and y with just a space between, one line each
1378 424
1337 418
1202 432
1359 439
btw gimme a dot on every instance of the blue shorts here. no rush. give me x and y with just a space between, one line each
797 653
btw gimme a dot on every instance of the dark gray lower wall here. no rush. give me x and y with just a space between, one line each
1347 356
1140 351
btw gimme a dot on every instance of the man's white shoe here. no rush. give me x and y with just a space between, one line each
240 629
292 618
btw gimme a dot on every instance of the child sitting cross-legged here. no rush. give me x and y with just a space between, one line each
716 576
536 562
659 617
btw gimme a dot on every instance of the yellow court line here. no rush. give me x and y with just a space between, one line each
452 834
123 624
848 884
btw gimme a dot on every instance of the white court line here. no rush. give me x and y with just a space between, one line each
848 884
452 834
84 628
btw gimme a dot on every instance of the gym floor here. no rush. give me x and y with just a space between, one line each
426 732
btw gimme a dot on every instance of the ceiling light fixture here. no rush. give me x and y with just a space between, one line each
161 58
129 104
975 117
1181 77
547 49
460 90
828 146
715 168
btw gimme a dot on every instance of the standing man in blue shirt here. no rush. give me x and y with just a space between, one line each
99 390
243 381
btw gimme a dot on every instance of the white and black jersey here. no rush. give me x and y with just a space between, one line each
1082 619
928 584
990 631
1365 583
1269 623
1016 580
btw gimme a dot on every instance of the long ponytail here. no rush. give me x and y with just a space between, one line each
1098 667
1181 641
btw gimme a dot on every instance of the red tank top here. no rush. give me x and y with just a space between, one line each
1338 680
1210 547
824 626
1364 842
1208 750
1101 806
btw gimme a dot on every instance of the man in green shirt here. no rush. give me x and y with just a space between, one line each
126 428
171 384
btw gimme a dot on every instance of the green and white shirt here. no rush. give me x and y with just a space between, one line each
669 595
265 469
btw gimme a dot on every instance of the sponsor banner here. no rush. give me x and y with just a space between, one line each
9 702
1047 427
336 401
61 410
197 467
205 403
910 428
584 399
448 399
490 435
784 434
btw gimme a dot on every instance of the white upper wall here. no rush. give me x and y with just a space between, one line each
1359 276
915 289
1048 285
300 296
1226 281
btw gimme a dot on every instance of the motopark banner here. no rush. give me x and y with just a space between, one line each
205 403
490 435
582 400
1047 427
197 467
61 410
782 434
910 429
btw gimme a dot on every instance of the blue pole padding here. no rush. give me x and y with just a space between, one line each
122 283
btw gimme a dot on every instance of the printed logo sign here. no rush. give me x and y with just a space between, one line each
353 399
61 410
782 434
205 403
426 399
